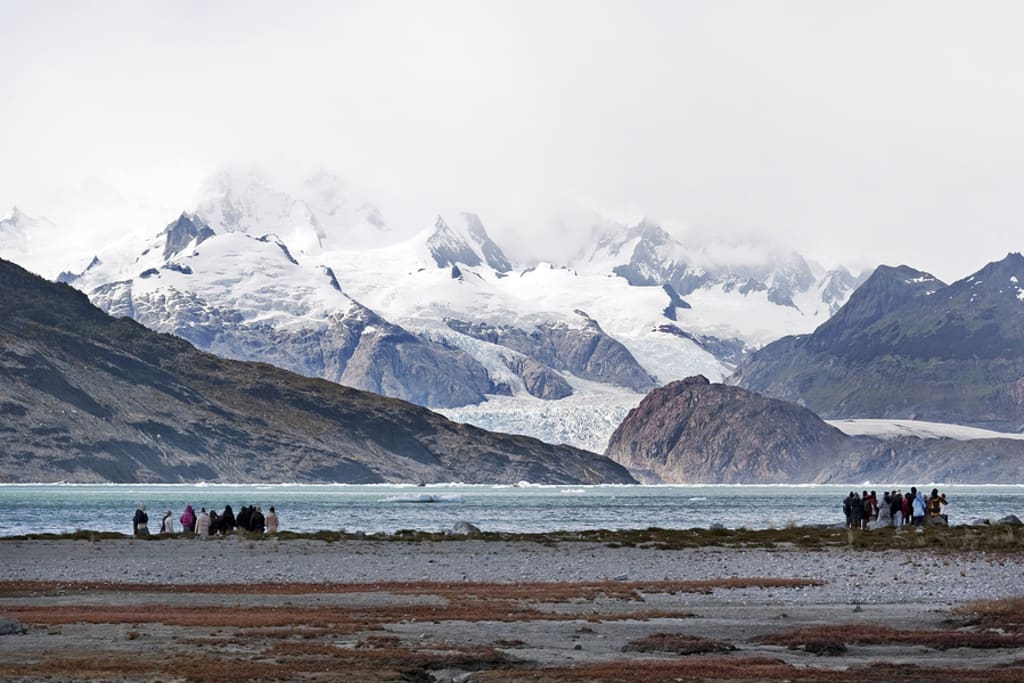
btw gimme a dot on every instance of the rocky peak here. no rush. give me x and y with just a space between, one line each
1000 280
694 381
650 233
788 279
834 288
182 232
886 290
493 254
448 248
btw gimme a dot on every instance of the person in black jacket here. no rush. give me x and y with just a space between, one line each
242 520
257 523
140 523
227 520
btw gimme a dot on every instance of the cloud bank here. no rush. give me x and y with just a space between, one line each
856 133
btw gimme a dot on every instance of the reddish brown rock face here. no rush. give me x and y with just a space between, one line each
695 431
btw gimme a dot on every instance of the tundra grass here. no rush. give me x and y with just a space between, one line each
937 538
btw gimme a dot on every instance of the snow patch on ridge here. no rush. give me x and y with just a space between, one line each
917 428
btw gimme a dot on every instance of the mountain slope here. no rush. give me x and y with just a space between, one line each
86 397
693 431
908 346
248 298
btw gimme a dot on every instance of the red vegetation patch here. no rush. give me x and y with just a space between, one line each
677 643
1005 615
745 669
827 638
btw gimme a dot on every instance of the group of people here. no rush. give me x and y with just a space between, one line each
205 524
896 509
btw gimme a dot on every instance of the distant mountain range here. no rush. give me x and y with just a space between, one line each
85 397
909 346
314 281
693 431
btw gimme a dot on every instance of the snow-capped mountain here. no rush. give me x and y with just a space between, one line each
744 295
444 318
248 298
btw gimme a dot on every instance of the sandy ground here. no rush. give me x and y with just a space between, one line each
235 609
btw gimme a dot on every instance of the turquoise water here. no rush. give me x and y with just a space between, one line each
58 508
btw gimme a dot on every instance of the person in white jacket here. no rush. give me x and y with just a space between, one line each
167 526
203 524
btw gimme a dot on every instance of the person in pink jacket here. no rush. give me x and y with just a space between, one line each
188 519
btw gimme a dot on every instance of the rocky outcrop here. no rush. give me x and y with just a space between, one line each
538 379
9 626
908 346
693 431
585 350
85 397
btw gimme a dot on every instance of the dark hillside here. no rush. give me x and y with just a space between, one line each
85 397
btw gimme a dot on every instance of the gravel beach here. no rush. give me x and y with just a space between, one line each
494 613
850 576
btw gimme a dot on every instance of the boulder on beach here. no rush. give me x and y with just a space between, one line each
9 626
464 529
1010 520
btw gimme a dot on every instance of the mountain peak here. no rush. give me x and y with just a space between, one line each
492 253
1012 265
885 290
450 246
650 231
182 232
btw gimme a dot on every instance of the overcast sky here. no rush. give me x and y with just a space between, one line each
859 132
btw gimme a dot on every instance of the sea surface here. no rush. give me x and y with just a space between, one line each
528 508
